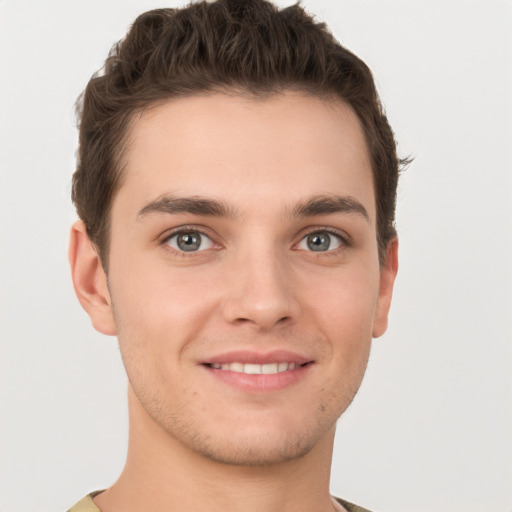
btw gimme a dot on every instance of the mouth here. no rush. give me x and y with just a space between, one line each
256 369
257 372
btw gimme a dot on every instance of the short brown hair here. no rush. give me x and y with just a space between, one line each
228 45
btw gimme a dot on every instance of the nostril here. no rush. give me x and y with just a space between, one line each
262 308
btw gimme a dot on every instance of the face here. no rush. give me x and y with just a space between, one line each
244 275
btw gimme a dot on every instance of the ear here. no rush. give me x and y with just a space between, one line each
388 271
89 280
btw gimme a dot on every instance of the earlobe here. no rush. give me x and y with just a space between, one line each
89 280
388 273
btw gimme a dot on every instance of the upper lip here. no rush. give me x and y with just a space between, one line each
251 357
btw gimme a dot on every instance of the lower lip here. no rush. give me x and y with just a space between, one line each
266 383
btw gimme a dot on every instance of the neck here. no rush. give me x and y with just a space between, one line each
163 475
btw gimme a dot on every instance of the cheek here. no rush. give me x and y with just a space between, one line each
159 306
343 309
344 297
155 322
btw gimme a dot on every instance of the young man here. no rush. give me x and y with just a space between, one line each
236 190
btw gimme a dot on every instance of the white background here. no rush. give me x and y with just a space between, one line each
431 428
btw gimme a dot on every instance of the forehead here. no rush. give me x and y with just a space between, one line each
281 148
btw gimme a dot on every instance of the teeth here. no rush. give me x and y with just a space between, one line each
282 367
236 367
269 368
255 369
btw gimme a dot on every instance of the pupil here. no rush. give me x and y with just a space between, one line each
319 242
189 242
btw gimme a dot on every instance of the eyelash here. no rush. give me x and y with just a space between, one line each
182 230
342 236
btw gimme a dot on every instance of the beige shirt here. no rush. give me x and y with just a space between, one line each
87 505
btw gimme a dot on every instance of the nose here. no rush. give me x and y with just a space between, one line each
260 292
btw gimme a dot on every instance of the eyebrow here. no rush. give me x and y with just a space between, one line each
193 205
317 205
323 205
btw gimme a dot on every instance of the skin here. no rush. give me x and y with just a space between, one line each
197 442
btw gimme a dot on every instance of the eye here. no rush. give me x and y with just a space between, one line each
320 241
189 241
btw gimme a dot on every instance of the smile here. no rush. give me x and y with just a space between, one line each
255 369
259 372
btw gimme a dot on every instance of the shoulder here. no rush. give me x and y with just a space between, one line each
350 506
86 504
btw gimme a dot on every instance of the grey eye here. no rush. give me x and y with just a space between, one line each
190 241
320 241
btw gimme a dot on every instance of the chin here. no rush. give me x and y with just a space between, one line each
251 452
263 440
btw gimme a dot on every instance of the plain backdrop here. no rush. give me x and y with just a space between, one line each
431 428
